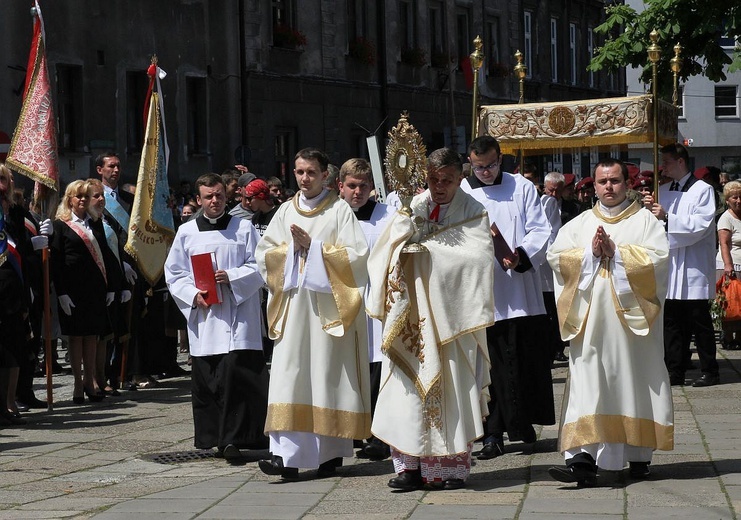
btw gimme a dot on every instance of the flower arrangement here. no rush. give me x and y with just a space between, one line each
414 56
363 50
499 70
287 37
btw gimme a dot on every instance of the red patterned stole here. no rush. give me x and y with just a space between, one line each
91 243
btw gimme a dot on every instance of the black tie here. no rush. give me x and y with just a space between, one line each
674 186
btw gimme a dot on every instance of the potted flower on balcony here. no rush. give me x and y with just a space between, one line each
414 57
362 50
286 37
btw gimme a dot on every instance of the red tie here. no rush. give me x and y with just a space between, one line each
435 213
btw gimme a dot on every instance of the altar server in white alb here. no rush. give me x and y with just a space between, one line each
356 184
610 266
436 306
313 257
229 377
521 385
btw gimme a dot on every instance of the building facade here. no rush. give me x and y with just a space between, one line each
253 81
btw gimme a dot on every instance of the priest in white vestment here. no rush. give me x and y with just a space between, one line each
610 266
229 375
356 184
313 257
435 306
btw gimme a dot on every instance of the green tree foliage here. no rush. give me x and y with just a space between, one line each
697 25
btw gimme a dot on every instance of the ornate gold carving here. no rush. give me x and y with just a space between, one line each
433 410
542 126
562 120
406 159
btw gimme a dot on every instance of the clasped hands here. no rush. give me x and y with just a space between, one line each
301 238
602 245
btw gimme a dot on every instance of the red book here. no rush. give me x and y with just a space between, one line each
204 274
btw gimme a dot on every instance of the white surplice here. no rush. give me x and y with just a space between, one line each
319 396
618 404
233 324
372 228
514 206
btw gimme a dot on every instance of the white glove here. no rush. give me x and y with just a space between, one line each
125 296
131 275
40 242
109 298
65 302
45 228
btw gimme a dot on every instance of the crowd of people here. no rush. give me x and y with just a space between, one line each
322 333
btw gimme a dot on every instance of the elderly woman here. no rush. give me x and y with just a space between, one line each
80 265
728 260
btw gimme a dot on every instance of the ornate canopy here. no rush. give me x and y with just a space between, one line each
542 127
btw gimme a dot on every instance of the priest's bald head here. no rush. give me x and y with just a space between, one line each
611 182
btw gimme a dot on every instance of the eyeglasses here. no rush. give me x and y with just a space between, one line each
488 167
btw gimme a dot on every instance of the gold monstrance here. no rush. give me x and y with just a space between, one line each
406 168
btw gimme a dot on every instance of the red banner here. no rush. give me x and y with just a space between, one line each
33 150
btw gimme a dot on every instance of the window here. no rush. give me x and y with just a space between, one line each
554 50
463 31
285 139
356 19
285 32
558 162
680 102
437 30
284 12
137 84
70 107
726 102
407 25
196 115
528 30
572 52
492 41
590 52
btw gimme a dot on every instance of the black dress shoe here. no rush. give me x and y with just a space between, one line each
407 481
676 380
454 483
639 469
492 450
706 380
275 467
582 474
377 450
21 407
32 403
561 357
329 468
231 453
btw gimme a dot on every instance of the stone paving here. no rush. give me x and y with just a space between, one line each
98 461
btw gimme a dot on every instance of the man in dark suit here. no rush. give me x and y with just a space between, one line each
108 166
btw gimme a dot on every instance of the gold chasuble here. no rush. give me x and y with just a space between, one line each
319 375
435 307
611 311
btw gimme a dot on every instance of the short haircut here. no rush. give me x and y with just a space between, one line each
609 162
229 176
731 188
356 168
100 159
444 157
554 177
677 151
209 180
315 154
275 181
484 144
530 168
